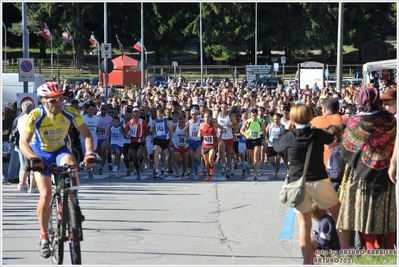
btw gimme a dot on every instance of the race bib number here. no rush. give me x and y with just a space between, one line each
208 140
160 128
194 133
102 133
181 141
254 135
134 131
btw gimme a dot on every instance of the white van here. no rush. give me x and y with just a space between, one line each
10 86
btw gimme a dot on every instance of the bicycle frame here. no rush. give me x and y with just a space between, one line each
65 223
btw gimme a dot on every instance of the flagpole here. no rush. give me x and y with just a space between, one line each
52 64
98 54
142 46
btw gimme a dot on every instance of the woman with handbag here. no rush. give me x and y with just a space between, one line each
296 138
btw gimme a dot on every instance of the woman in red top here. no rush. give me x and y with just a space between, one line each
207 131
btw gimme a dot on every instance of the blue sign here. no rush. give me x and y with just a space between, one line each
326 73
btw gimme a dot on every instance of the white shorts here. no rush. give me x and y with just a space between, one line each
241 147
149 145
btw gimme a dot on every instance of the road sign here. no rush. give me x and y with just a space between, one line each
326 73
106 50
26 69
110 66
275 66
175 64
283 60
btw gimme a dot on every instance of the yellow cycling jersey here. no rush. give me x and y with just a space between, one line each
50 132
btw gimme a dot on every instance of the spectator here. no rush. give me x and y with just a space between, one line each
296 138
25 171
326 237
369 203
334 165
330 108
388 99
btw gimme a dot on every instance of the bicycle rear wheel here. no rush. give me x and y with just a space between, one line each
56 244
74 233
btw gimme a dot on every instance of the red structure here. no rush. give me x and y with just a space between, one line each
126 72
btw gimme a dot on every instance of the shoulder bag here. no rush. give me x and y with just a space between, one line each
292 194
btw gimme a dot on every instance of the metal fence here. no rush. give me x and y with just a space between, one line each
65 69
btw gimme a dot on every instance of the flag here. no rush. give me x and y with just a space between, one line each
120 45
93 39
138 46
46 32
66 36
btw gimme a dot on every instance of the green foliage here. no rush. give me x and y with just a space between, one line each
227 28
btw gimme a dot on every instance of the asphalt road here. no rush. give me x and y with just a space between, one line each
164 222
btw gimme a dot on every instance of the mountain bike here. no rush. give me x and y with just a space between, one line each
65 222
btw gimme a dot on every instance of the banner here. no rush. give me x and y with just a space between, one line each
46 33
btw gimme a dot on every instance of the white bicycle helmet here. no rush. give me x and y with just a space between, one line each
49 90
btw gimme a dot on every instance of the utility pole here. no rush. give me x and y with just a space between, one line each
340 44
25 37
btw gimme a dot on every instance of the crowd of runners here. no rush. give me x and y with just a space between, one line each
183 128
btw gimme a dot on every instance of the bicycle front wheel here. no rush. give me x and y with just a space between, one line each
74 233
54 226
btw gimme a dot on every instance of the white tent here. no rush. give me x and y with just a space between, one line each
380 65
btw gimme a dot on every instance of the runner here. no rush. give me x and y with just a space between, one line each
138 129
252 129
116 134
228 122
208 133
162 134
274 130
181 147
103 146
192 128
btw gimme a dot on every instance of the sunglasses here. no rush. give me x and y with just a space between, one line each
54 100
103 109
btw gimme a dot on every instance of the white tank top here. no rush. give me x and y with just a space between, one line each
227 132
179 138
274 134
193 129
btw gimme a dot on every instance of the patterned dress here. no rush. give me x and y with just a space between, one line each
368 202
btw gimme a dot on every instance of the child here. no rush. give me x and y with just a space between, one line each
334 165
116 134
326 237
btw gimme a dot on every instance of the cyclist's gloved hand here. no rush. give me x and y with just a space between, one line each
90 159
37 165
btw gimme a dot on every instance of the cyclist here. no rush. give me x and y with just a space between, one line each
44 141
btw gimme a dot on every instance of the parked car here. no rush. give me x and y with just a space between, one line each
271 83
77 80
358 75
94 81
348 82
162 79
